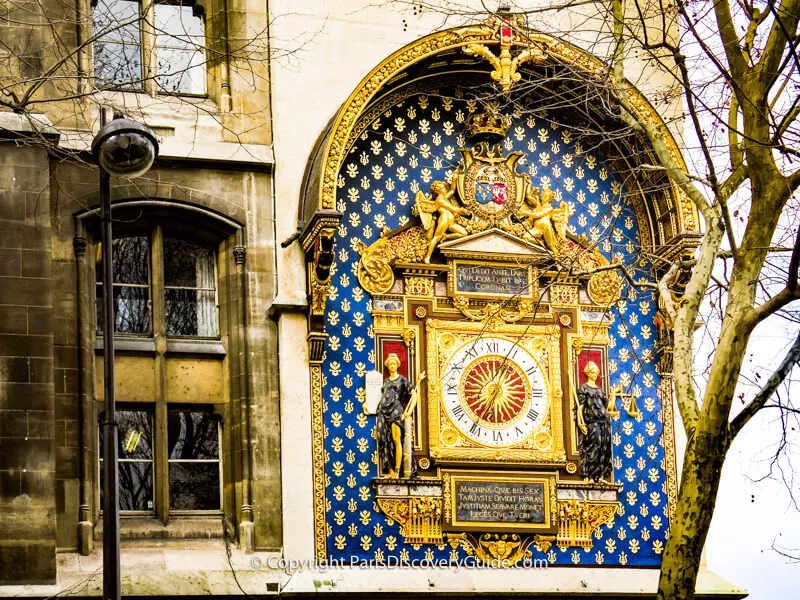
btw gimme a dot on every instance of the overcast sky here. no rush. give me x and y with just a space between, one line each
753 516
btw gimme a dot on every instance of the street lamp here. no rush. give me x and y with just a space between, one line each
123 148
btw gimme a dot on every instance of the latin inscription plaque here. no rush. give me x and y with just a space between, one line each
485 503
492 280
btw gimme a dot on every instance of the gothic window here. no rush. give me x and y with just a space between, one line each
194 464
135 451
138 42
192 459
183 282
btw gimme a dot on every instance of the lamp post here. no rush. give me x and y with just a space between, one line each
122 148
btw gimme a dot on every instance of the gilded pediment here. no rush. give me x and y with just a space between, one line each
494 243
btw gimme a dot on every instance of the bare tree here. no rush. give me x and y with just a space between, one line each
734 66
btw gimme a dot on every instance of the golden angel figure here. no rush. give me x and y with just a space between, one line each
443 202
542 220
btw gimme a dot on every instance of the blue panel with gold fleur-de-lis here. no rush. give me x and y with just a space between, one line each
412 143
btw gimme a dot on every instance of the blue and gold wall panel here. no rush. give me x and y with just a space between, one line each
401 151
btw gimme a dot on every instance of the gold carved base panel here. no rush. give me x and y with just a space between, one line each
417 506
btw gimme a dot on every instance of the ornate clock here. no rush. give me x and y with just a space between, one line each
494 395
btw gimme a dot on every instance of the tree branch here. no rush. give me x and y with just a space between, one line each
789 361
785 296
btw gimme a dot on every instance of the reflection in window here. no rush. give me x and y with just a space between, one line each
176 48
131 271
190 290
135 450
194 465
117 51
180 52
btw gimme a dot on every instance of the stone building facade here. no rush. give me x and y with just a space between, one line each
196 358
239 468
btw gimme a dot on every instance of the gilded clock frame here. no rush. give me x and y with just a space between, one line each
544 343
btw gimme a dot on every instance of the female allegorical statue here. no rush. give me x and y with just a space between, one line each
398 400
594 425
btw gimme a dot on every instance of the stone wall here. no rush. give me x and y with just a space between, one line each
28 432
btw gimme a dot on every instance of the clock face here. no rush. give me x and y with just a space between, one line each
494 391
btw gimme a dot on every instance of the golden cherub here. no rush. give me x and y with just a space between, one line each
505 67
501 549
445 227
542 220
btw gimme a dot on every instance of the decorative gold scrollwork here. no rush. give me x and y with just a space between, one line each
605 287
398 510
420 519
375 267
578 519
499 549
494 314
543 542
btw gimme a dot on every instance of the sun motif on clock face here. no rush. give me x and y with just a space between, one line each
494 391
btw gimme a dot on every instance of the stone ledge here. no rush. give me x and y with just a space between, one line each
183 529
553 582
172 568
27 125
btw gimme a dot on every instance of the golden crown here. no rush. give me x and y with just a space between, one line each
488 123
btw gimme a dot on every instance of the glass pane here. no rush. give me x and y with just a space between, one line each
187 264
131 261
178 27
181 71
117 54
135 486
117 65
194 486
117 21
135 439
131 309
191 312
192 434
180 49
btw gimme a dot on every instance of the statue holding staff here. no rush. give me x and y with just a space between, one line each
398 400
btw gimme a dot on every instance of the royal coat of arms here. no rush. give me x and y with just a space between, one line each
488 183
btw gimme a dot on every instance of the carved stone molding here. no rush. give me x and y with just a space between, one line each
79 245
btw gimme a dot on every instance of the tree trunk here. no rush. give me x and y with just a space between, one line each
702 468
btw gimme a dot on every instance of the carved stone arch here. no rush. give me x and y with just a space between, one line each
443 50
180 197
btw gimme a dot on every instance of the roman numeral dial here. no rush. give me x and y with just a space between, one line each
494 391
